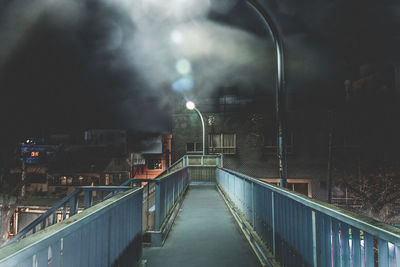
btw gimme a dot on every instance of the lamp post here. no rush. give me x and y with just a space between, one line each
280 102
191 106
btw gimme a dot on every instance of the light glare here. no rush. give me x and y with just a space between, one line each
190 105
177 37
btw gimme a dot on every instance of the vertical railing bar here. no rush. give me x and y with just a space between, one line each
157 207
44 223
336 243
273 223
64 215
86 200
356 246
383 252
314 237
345 246
369 250
252 205
72 205
54 219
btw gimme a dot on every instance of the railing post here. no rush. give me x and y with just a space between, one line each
157 207
252 205
64 212
54 219
383 253
44 223
369 250
273 223
88 199
314 237
72 205
147 206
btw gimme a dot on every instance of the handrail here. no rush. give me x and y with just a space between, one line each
107 234
72 198
376 228
185 162
295 229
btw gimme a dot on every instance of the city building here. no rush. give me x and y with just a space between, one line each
152 156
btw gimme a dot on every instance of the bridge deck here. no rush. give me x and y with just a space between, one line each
204 234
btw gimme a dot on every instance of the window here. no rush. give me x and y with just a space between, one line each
154 164
303 186
222 143
194 147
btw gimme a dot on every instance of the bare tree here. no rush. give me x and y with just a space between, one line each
374 185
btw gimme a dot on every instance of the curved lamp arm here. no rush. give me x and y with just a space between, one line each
280 104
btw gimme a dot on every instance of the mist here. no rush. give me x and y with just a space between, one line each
132 58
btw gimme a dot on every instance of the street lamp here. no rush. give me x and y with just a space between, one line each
191 106
280 105
280 100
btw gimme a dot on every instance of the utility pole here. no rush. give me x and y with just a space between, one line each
330 142
23 177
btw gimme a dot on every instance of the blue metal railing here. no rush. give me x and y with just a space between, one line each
194 161
173 182
69 203
107 234
168 190
299 231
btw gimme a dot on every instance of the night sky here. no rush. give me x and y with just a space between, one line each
67 66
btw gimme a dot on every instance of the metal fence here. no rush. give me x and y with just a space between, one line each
172 183
69 206
109 233
195 160
168 190
299 231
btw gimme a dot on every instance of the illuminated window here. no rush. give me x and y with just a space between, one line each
222 143
34 154
154 164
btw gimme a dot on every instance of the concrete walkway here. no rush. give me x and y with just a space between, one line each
204 234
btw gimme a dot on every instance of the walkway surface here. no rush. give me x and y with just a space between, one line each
204 234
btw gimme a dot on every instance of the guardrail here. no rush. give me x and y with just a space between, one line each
107 234
69 203
168 190
172 183
300 231
195 161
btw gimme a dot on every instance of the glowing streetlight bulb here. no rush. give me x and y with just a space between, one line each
190 105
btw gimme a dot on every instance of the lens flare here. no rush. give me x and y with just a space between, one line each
183 66
183 84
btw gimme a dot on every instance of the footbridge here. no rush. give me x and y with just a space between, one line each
198 213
